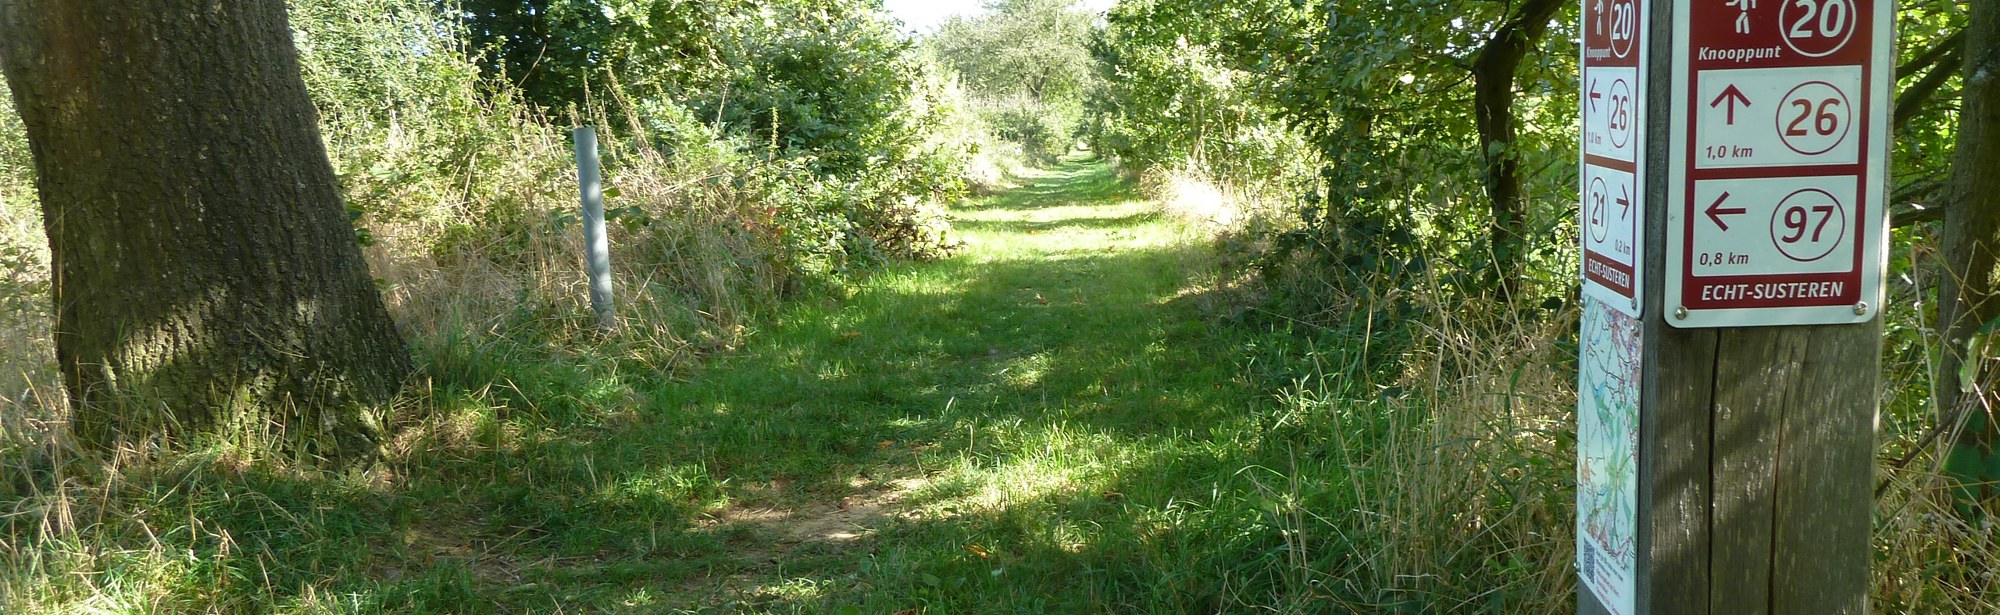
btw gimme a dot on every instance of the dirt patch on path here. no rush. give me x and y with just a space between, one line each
777 535
846 522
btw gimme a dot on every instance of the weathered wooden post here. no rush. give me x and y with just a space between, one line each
1734 181
597 246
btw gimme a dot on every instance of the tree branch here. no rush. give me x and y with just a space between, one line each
1913 98
1914 202
1953 44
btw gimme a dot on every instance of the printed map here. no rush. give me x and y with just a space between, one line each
1607 481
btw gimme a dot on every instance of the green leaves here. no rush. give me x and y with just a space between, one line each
1973 469
1032 49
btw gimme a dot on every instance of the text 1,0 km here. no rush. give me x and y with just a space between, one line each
1721 259
1726 152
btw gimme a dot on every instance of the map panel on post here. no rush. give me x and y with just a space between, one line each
1612 211
1778 170
1610 354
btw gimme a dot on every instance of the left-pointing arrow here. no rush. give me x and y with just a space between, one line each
1594 95
1716 211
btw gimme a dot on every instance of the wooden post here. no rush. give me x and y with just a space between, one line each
597 246
1755 444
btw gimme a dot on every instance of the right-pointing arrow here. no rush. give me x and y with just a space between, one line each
1716 211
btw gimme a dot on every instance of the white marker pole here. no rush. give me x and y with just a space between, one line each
597 255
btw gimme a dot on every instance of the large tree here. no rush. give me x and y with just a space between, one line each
1969 295
206 275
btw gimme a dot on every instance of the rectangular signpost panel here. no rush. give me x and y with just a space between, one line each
1612 215
1777 183
1613 141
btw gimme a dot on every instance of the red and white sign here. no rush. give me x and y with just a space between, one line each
1778 171
1612 211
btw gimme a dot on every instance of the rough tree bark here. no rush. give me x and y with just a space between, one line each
206 274
1969 294
1493 101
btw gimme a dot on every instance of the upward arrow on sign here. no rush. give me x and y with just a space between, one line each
1732 96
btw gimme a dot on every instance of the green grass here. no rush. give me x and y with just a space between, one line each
1050 422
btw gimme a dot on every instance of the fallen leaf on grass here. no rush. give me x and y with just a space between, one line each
979 551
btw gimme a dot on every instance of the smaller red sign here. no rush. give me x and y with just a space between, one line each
1612 209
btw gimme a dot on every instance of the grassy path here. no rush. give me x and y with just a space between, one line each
996 432
1045 423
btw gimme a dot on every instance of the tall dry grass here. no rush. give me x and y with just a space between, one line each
471 227
1447 437
691 252
27 353
1460 423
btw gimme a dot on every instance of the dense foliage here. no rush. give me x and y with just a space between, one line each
1383 97
1403 231
1418 328
764 147
1383 93
829 83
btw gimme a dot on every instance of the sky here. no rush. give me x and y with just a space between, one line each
923 15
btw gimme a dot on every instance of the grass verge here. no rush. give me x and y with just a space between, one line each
1048 422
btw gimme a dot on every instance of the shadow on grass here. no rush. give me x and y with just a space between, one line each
1084 223
1076 181
1095 404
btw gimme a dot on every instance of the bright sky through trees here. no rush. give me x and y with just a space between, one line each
925 15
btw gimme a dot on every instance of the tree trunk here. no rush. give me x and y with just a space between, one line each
1969 293
1493 101
206 275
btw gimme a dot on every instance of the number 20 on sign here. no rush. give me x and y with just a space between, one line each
1778 164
